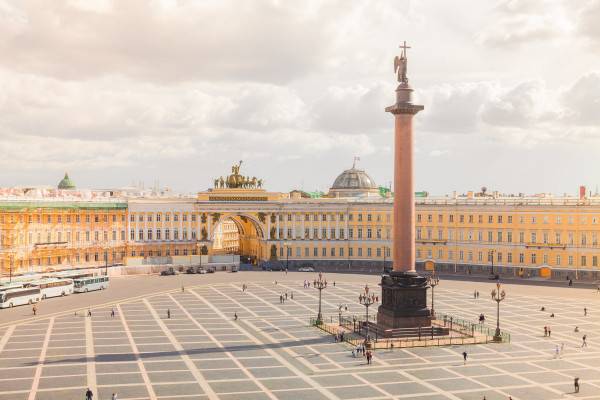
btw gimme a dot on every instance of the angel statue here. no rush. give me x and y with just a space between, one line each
400 65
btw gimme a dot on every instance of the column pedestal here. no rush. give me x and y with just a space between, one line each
403 301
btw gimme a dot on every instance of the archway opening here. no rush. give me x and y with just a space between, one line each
238 235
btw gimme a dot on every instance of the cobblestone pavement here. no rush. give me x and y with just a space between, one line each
270 352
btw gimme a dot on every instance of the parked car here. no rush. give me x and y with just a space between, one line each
306 269
169 271
211 270
234 268
272 266
190 270
200 270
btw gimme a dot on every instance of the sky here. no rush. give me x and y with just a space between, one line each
175 92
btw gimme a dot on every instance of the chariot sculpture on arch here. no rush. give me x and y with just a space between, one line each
237 181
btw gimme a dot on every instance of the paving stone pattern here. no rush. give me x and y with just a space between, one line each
270 352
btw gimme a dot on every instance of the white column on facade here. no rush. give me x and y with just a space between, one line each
320 233
337 224
277 216
303 235
294 226
328 233
208 225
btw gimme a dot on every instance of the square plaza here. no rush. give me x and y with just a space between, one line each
271 352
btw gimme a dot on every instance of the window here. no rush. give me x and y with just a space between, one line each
360 251
369 217
315 252
418 233
521 257
533 258
570 259
149 217
167 234
418 253
499 219
557 237
131 234
461 219
158 217
545 237
141 218
418 217
360 233
368 252
509 237
521 237
369 233
470 219
558 260
583 261
306 252
533 220
451 218
510 219
378 252
594 261
341 252
132 218
490 236
350 252
141 234
175 217
509 258
149 234
158 232
499 257
167 217
184 217
324 251
429 218
533 237
490 219
499 237
440 218
332 252
298 251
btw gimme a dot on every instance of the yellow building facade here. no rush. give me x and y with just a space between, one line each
348 228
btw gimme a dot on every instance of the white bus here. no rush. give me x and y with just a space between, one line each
19 297
9 286
88 284
54 287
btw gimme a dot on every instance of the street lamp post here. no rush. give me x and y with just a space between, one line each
367 300
341 307
498 295
491 254
320 284
433 281
106 262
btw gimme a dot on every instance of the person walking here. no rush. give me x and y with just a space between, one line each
576 384
34 309
464 354
286 295
89 313
168 313
114 396
235 317
112 312
583 341
478 294
584 311
474 294
549 332
292 295
545 331
88 394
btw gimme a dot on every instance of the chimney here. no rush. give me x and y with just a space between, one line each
581 192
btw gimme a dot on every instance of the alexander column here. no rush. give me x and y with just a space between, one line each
404 292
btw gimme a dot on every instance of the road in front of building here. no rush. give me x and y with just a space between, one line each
131 287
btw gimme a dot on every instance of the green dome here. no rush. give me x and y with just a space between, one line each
66 183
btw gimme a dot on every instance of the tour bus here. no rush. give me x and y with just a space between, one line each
82 285
19 297
54 287
9 286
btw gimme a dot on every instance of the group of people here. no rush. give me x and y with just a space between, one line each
89 395
306 284
284 296
476 294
